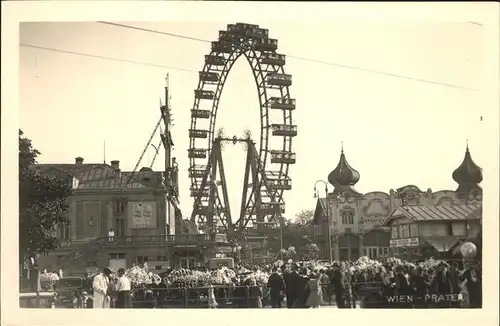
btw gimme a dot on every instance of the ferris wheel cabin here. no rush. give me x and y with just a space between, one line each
207 76
277 79
197 153
215 60
271 208
197 171
198 133
273 59
222 47
201 114
203 94
282 157
279 184
284 130
266 44
279 103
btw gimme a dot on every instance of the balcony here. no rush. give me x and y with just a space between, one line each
204 95
282 103
277 79
197 153
198 133
201 114
284 130
222 47
266 44
283 157
208 76
157 239
273 59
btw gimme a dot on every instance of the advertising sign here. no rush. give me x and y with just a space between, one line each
142 215
408 242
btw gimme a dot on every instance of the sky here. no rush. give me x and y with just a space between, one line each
395 131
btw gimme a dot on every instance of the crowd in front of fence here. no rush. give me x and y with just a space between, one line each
364 284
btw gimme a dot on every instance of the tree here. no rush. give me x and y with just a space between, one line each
43 204
304 217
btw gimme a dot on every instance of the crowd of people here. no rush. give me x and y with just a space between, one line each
364 283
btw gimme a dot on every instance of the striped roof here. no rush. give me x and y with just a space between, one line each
422 213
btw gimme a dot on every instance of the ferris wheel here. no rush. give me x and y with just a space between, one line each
266 173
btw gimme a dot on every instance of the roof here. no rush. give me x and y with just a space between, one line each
97 176
74 170
422 213
320 211
107 178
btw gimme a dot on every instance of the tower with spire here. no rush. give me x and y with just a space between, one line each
468 175
344 177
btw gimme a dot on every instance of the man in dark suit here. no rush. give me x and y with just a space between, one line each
474 286
337 281
292 283
277 287
443 284
402 287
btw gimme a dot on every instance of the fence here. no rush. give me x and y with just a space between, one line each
353 295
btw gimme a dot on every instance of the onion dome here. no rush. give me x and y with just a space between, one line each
468 175
343 175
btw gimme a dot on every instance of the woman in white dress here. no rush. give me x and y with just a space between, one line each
100 286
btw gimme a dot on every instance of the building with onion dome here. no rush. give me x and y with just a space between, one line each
405 222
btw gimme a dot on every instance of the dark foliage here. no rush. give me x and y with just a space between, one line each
43 204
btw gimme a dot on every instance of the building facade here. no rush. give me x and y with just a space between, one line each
140 208
356 222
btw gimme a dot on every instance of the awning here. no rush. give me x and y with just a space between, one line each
442 243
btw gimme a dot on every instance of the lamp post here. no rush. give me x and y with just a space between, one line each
316 195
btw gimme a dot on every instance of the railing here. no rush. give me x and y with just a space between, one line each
156 239
352 295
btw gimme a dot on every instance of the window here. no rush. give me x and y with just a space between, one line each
404 231
348 218
414 230
161 258
120 206
394 232
119 227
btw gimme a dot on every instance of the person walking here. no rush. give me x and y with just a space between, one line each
123 288
100 286
315 298
277 287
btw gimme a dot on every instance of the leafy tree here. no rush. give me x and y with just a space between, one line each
311 252
297 233
304 217
43 204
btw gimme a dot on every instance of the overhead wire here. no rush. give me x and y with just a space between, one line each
373 71
351 67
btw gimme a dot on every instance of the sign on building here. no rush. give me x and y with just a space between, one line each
408 242
142 215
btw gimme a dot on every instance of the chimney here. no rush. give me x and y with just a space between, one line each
115 165
79 160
